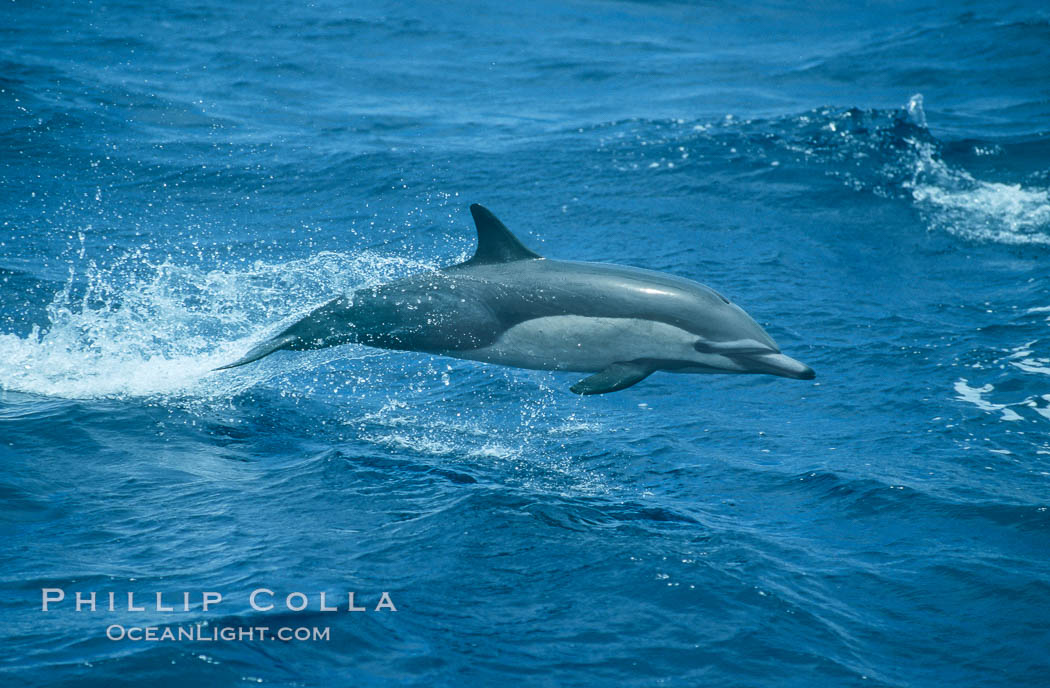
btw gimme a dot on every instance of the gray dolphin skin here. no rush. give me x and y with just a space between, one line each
510 306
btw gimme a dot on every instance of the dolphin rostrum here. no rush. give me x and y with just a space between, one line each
510 306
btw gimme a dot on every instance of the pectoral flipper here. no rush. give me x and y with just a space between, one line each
614 378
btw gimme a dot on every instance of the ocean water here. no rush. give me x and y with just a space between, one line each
871 182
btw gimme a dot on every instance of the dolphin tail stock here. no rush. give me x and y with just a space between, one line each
315 330
262 350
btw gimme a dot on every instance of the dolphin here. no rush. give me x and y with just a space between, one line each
510 306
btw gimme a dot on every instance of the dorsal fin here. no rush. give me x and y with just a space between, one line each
495 242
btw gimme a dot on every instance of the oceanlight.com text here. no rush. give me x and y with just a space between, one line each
206 633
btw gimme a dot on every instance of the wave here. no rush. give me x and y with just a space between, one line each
953 200
889 153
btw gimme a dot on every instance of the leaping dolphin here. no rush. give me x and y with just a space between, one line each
511 306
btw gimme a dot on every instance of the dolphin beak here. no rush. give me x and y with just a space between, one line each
779 364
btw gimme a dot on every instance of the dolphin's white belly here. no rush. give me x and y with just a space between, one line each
584 344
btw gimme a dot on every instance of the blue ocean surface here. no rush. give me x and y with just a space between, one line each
871 181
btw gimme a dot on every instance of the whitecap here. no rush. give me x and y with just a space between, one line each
976 396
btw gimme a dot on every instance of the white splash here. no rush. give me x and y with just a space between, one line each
140 329
915 113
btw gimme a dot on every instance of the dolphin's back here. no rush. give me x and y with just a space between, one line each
541 288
